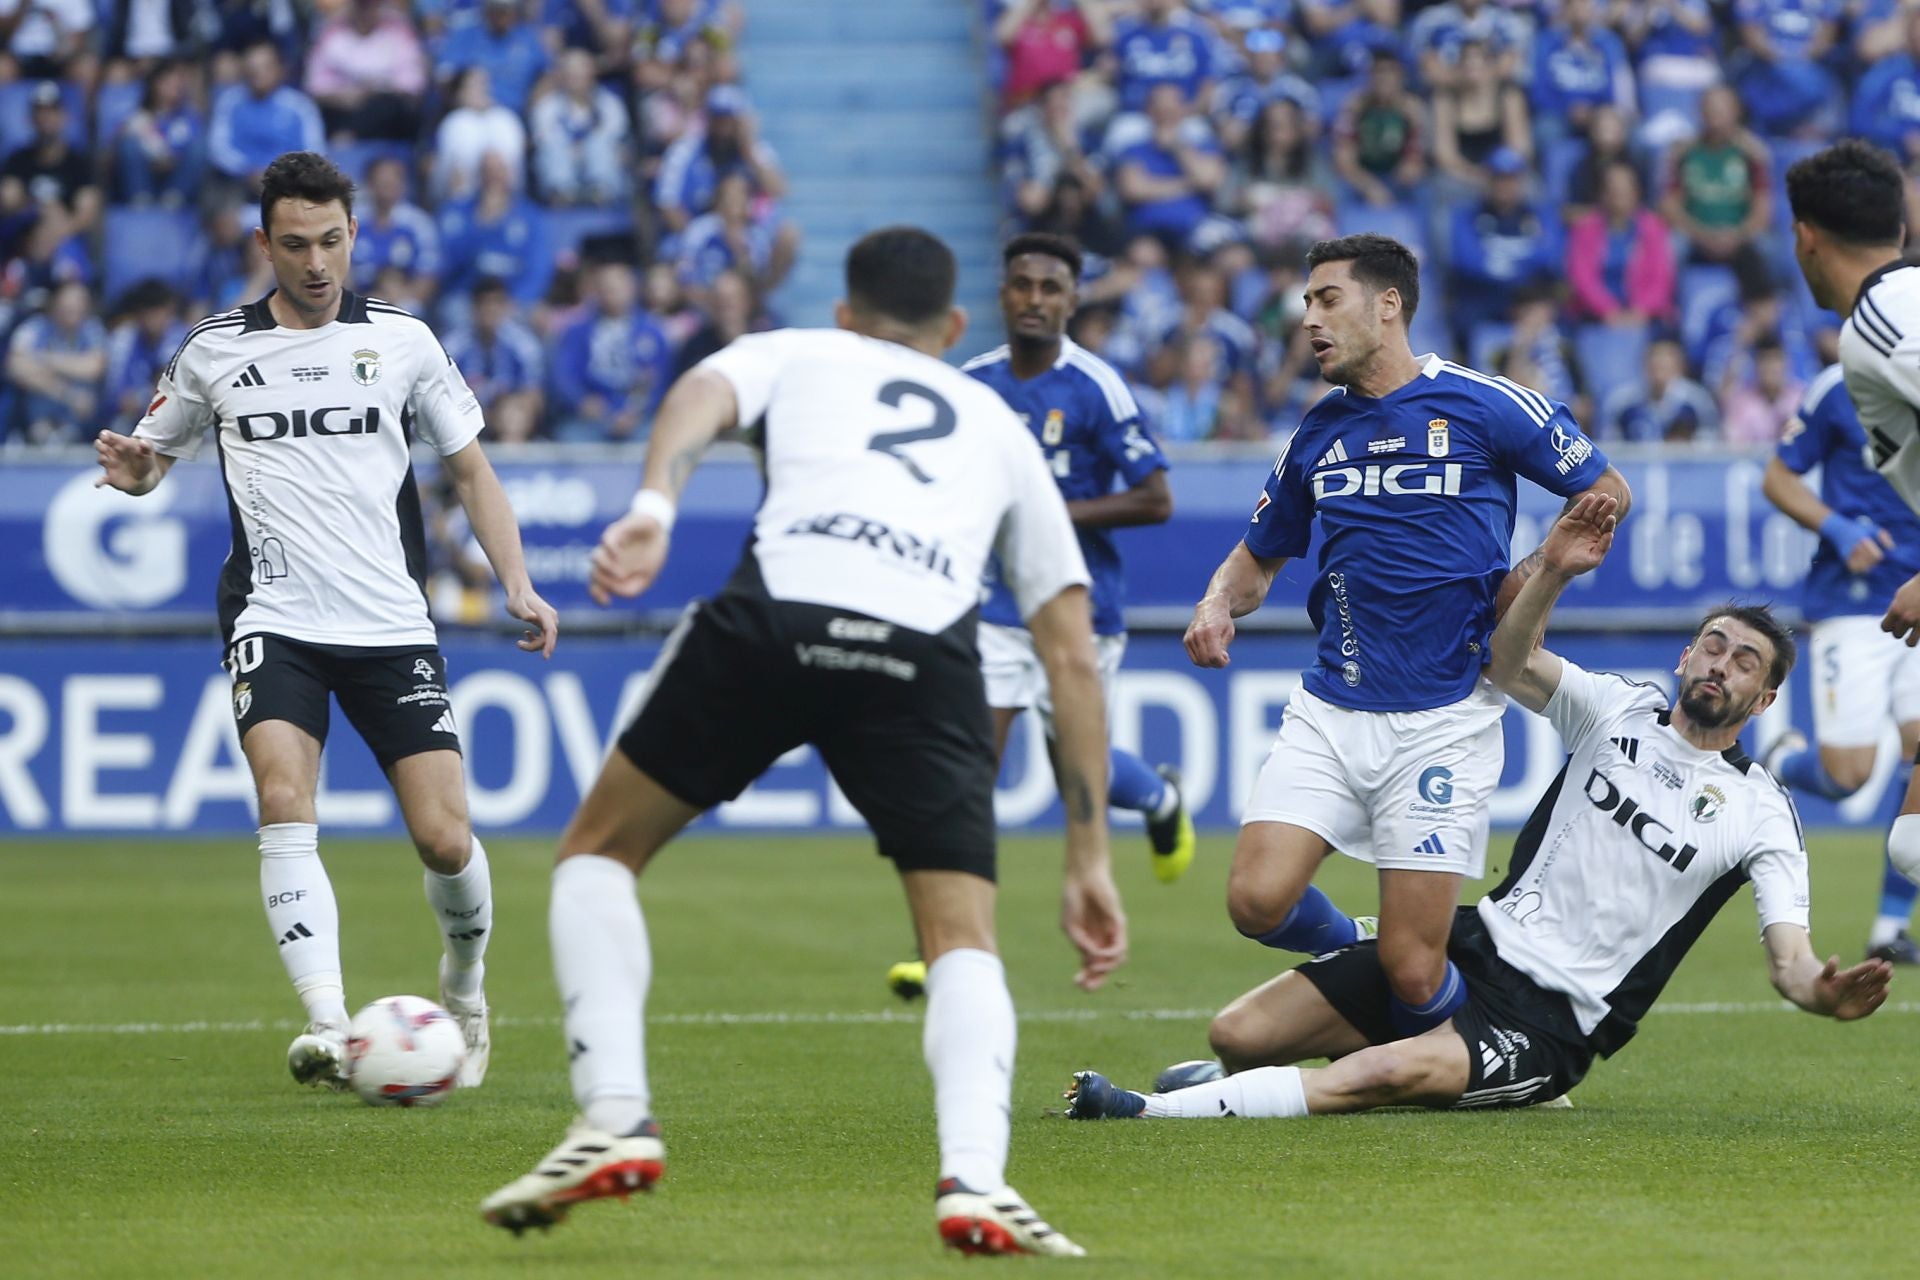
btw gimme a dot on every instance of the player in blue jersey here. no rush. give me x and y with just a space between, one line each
1869 547
1392 747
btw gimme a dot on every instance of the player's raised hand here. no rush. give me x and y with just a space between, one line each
1096 924
1853 993
1868 552
1582 536
1210 634
526 605
628 558
1903 615
129 463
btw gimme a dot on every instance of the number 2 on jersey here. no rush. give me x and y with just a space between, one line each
889 442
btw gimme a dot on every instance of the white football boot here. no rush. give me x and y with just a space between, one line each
996 1223
472 1017
318 1056
589 1165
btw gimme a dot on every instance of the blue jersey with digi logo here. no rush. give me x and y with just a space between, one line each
1828 435
1415 496
1090 430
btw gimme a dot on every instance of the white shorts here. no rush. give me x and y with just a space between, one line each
1017 679
1405 790
1861 677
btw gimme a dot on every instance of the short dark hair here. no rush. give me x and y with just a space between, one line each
1853 191
1046 244
1379 262
303 175
489 286
902 273
1760 618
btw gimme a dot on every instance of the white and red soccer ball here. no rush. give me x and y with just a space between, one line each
403 1051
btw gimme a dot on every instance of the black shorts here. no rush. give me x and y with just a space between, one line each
899 716
1523 1042
396 697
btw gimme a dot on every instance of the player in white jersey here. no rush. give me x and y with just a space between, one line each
1849 227
849 624
1656 821
313 396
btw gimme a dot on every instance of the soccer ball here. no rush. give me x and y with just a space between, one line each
403 1051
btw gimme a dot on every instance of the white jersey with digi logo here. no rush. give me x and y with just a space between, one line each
890 477
1880 352
313 428
1637 844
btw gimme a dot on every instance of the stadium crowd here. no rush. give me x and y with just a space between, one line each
574 191
1594 188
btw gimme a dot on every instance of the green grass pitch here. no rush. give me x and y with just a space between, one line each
1731 1139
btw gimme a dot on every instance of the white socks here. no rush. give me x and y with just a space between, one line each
1263 1093
463 906
304 917
603 966
968 1043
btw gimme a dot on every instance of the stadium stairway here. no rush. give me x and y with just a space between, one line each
879 113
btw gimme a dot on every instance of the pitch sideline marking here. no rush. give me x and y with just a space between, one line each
777 1019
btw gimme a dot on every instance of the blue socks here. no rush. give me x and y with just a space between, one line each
1411 1020
1133 784
1314 926
1803 772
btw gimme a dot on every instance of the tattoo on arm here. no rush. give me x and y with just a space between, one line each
1531 565
1077 796
681 466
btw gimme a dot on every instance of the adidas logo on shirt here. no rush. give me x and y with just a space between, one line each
251 378
1334 455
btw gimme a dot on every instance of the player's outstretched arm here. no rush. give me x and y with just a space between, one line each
1825 989
632 550
1091 913
1149 502
1860 543
491 514
1238 587
1577 543
131 464
1610 483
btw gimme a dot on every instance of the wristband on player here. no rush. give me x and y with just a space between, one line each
655 505
1842 533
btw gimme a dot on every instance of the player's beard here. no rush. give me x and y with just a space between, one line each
1710 712
1029 345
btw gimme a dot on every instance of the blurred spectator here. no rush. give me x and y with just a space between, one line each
146 31
610 367
260 118
1674 51
1075 212
1167 181
1441 33
667 301
732 238
1665 405
680 32
601 29
1280 180
1785 84
1190 406
44 258
1047 42
729 142
49 179
395 233
580 133
1620 257
1380 140
1480 112
161 153
498 232
1738 327
476 128
733 309
502 361
1718 194
1348 35
1879 28
506 47
1886 105
1203 311
1537 345
1501 244
368 72
1579 67
233 269
149 331
1045 144
1164 44
1758 409
56 360
48 38
1242 99
1606 144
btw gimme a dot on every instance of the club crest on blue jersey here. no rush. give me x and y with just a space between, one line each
1437 444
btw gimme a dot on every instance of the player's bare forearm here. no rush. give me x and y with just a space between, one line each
1577 543
1242 581
1062 632
1149 502
699 407
1795 498
490 514
1610 483
1825 989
